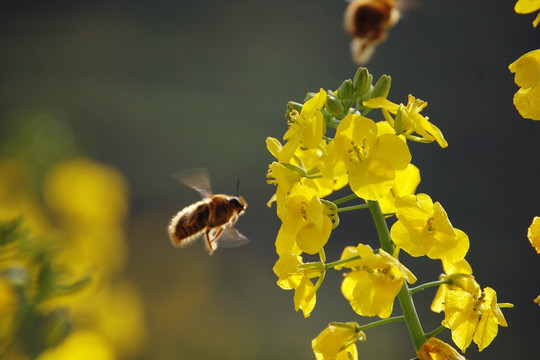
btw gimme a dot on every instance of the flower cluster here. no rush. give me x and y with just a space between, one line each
331 143
61 292
527 70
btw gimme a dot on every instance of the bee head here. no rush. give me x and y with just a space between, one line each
238 203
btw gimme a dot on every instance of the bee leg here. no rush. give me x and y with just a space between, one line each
210 240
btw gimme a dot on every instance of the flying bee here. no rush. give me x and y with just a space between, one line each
212 218
368 22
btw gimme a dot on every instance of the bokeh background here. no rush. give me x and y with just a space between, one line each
154 87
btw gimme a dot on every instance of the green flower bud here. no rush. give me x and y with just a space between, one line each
398 121
362 81
346 90
333 105
382 87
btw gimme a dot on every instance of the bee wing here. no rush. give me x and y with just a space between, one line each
230 237
197 179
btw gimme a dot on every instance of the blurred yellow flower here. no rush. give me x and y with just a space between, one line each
533 233
84 238
81 345
423 228
527 70
83 191
436 349
8 307
338 342
527 7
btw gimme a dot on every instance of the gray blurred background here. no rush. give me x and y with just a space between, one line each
155 87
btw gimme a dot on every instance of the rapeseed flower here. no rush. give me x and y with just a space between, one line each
436 349
338 342
405 183
473 317
527 7
533 233
408 119
527 98
290 277
305 225
305 127
459 276
423 228
374 282
371 158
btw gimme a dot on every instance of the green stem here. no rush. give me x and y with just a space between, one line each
435 332
381 322
340 262
404 296
428 285
354 207
344 199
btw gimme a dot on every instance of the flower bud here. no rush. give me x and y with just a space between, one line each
346 90
333 105
362 81
382 87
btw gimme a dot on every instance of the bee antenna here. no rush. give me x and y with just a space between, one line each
238 188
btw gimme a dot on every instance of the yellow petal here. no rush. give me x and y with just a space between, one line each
526 6
533 233
372 179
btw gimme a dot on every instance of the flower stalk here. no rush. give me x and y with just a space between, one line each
404 296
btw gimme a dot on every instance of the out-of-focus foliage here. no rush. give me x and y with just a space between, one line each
62 252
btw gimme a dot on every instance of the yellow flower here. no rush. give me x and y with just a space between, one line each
533 233
405 184
527 70
436 349
527 7
84 191
291 277
460 276
306 128
408 119
90 200
8 308
374 282
305 224
338 342
473 316
81 345
423 228
372 158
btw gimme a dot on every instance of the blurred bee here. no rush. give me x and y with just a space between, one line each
368 22
212 218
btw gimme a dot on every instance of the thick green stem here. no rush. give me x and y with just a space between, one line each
404 296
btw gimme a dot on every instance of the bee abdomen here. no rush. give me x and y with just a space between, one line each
188 223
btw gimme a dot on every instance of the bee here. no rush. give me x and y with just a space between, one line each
368 22
211 218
